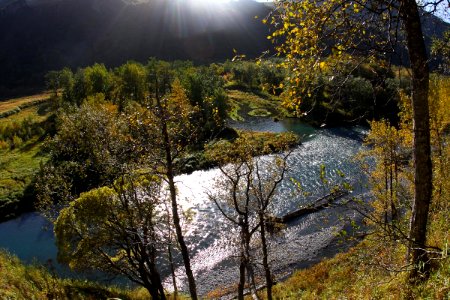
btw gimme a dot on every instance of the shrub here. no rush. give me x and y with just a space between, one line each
16 142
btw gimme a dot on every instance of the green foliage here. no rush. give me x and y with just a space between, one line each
16 132
131 82
259 112
441 50
19 166
264 75
86 82
85 153
244 104
356 94
134 82
115 230
251 143
99 79
21 138
19 281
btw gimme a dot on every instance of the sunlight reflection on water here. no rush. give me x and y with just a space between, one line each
211 237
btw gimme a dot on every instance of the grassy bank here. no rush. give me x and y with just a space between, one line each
261 143
243 105
21 140
27 120
18 281
13 106
19 167
352 275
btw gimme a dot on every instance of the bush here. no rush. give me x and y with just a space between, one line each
4 145
16 142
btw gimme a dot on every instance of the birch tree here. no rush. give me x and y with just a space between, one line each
307 31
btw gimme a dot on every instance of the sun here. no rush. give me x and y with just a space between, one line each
210 1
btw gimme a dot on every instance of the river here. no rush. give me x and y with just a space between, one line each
210 236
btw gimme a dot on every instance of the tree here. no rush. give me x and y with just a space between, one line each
132 81
391 179
441 49
341 28
390 147
163 131
88 151
99 79
52 81
116 230
96 145
245 192
204 89
62 79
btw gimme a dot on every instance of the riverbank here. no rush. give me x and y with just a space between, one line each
19 281
26 121
22 136
210 237
261 143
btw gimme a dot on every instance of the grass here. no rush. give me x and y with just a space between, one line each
355 275
11 104
18 281
222 151
38 113
351 276
244 104
21 136
248 143
17 170
373 269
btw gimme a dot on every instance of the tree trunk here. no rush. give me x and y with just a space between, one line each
172 270
173 196
250 271
421 125
176 218
243 264
156 279
269 282
152 291
148 284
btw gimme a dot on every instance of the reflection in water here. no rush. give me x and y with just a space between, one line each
211 238
303 241
28 236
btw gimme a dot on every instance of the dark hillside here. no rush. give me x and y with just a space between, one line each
76 33
41 35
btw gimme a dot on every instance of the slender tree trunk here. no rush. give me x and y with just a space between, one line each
156 279
173 197
147 269
148 284
250 271
421 124
172 270
269 282
241 284
242 264
176 217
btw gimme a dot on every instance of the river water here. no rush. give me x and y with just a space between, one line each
211 237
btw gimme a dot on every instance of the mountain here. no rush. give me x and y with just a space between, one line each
41 35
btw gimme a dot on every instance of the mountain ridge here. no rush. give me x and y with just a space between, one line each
42 35
82 32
